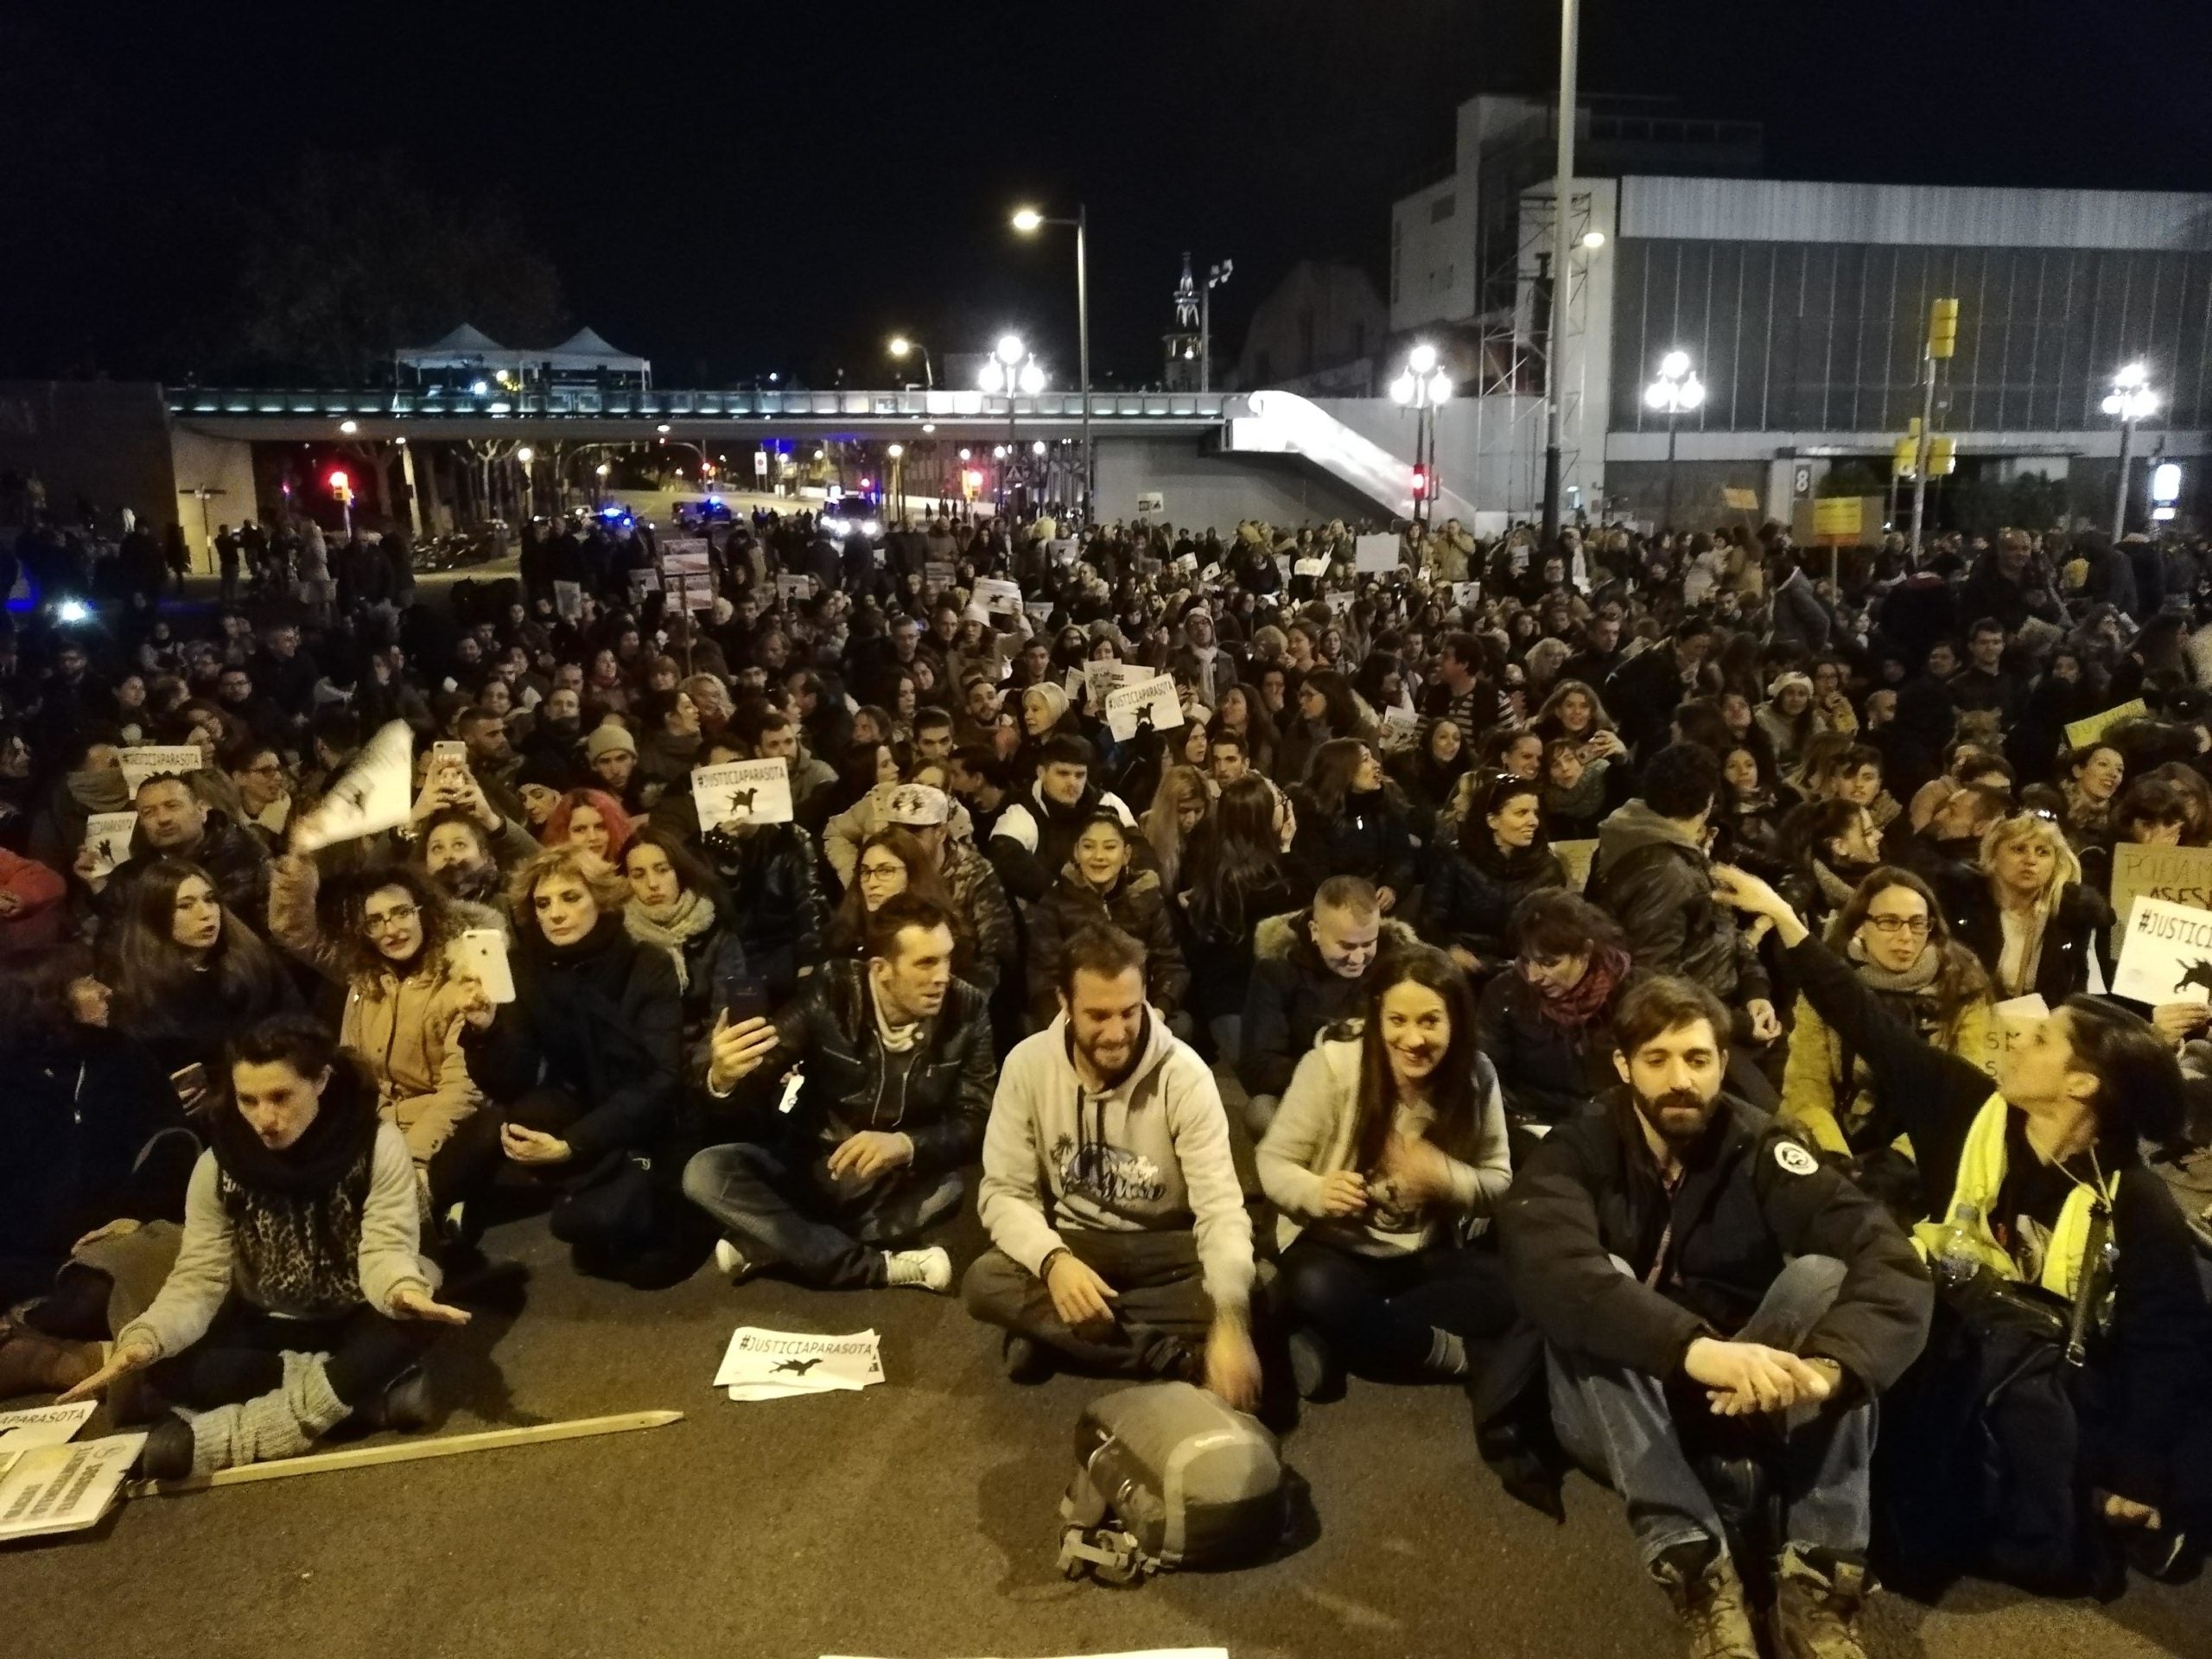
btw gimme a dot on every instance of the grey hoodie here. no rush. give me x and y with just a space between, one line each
1150 1154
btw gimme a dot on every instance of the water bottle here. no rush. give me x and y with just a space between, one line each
1959 1258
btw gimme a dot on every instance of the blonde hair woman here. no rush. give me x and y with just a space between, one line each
2029 918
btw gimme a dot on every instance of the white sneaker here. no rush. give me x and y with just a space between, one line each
731 1262
930 1269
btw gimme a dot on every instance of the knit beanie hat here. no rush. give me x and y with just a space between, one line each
609 739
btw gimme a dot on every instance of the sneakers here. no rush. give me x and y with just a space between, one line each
730 1261
928 1269
1708 1599
1313 1368
1025 1360
1817 1596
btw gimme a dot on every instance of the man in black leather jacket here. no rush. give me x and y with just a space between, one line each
893 1072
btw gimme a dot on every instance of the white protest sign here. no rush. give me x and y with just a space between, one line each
1040 610
373 794
108 834
1465 593
2181 875
794 587
749 791
2166 954
1378 554
1103 675
998 595
1153 695
27 1430
1151 501
64 1488
1062 550
1315 566
1337 600
762 1364
1399 727
481 954
646 581
695 593
158 759
2010 1026
687 558
940 572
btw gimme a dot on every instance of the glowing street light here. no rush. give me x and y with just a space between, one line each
349 427
1424 387
2131 399
901 347
1676 391
1028 221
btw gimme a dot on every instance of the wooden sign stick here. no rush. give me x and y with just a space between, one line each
444 1446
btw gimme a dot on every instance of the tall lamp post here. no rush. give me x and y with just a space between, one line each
2131 400
1216 276
1676 390
901 347
1424 388
1011 368
1028 221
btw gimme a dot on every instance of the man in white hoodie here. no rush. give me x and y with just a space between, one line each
1122 1240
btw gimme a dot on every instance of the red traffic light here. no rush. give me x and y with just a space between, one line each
1420 482
337 482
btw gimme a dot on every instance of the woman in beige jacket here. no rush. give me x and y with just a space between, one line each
1387 1152
405 997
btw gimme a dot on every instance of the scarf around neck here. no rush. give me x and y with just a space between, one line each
1914 980
671 926
1578 1006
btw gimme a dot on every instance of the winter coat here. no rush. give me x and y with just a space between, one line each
1546 1072
843 835
1800 617
1469 901
1294 996
1826 1094
1659 888
937 1093
2081 922
235 857
769 871
1136 906
1035 836
35 923
1751 1198
1372 835
601 1020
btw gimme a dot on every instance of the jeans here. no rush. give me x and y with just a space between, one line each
827 1233
1380 1312
1627 1427
1161 1310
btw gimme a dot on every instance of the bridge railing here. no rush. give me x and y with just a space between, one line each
597 403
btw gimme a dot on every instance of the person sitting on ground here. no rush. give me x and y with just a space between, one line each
893 862
1502 856
405 996
1309 971
1690 1266
594 820
983 925
769 871
1390 1142
896 1058
585 1064
1237 876
300 1297
1033 836
843 835
1120 1237
2029 1187
1098 886
1546 1025
2024 912
677 903
175 823
187 972
1352 820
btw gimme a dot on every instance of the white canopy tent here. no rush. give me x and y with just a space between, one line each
469 351
466 347
585 352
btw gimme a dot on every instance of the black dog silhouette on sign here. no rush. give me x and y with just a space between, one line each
799 1367
2197 973
740 803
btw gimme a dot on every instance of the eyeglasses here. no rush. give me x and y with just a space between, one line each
1915 925
881 872
376 921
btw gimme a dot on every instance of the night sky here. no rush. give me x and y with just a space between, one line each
735 189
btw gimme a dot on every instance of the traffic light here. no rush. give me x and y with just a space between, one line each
341 487
1942 457
1942 327
1906 458
1421 483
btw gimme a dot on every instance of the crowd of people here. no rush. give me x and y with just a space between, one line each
1659 982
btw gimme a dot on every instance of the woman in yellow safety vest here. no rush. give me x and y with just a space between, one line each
2018 1182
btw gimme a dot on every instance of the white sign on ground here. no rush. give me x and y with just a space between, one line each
762 1364
745 792
64 1488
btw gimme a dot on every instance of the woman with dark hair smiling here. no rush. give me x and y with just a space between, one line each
1353 821
1390 1142
1502 857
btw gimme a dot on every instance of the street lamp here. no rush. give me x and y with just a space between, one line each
2131 400
901 347
1423 387
1216 276
525 456
1028 221
1675 392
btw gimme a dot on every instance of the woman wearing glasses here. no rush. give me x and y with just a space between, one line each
1893 936
406 997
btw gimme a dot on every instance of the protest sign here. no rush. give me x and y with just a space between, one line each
1466 594
40 1426
1399 727
1315 566
687 557
2009 1023
1062 550
2181 875
108 834
745 792
940 574
1153 696
1151 501
1337 600
794 587
157 760
2166 955
480 953
2079 732
646 581
64 1488
1575 856
373 794
1040 610
1103 674
998 595
695 593
762 1364
1377 554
